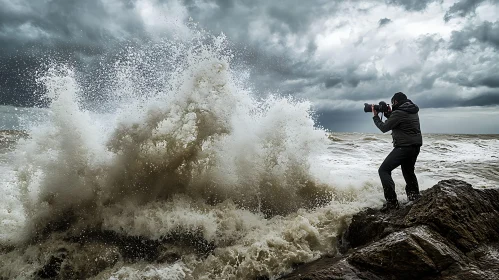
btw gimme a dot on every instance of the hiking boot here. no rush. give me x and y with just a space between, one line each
408 203
413 196
390 205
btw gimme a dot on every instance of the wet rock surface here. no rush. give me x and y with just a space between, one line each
451 232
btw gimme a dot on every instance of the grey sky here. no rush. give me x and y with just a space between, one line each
338 54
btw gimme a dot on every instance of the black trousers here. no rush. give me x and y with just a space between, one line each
406 158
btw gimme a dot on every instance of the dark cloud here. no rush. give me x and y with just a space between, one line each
237 18
462 9
426 83
480 79
428 45
487 99
284 47
486 33
490 81
332 82
460 40
384 21
258 30
59 21
17 82
448 100
69 31
349 78
440 100
351 120
412 5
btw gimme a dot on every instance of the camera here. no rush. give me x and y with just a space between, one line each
382 107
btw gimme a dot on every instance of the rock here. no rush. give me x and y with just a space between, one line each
465 216
451 232
328 268
413 252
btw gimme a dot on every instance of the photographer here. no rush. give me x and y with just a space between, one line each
403 121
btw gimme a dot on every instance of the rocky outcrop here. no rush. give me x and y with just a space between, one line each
451 232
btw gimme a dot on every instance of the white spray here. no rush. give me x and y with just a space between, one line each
198 155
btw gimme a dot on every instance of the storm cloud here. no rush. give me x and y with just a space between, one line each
338 54
412 5
487 33
464 8
384 21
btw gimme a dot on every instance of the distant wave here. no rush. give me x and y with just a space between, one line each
334 138
370 138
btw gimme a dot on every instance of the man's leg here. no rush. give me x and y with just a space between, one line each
412 186
392 161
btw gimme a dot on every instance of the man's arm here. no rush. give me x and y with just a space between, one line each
389 124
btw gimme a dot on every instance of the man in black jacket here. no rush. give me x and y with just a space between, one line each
403 121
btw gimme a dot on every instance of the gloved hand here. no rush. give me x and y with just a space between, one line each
388 114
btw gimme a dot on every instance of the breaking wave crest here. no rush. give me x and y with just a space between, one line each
185 155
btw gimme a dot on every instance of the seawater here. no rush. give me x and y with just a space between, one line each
237 187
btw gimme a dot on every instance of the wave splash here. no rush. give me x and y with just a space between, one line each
185 154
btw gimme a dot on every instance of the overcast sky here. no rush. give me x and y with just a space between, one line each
339 54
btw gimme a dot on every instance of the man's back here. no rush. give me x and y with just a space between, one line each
407 132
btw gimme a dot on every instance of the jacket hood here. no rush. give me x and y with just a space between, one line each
407 106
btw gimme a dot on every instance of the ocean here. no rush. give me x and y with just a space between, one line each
185 174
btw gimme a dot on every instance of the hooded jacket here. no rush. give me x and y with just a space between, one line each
404 124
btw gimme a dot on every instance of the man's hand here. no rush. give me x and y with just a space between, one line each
374 111
389 112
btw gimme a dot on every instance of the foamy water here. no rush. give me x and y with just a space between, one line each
473 158
245 187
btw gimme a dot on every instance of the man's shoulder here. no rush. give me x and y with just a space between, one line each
395 113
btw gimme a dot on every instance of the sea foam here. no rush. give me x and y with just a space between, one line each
183 152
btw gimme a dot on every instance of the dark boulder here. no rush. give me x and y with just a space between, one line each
451 232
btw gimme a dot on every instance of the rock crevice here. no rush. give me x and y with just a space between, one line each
451 232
